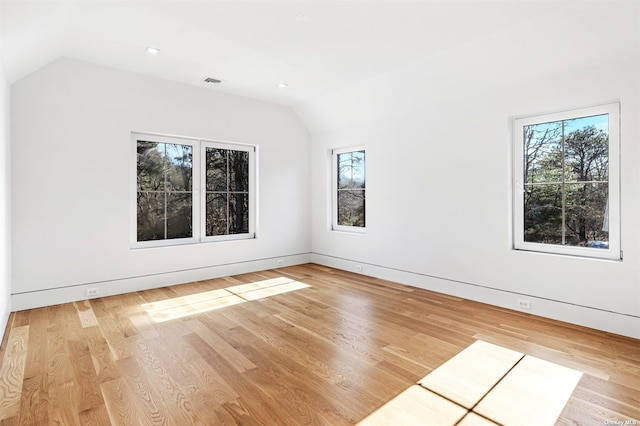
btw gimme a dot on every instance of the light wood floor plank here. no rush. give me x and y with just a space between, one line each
34 403
236 359
12 372
120 403
147 401
115 336
85 314
163 383
63 408
90 403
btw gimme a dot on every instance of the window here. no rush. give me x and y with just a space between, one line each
226 209
164 189
349 189
171 209
567 189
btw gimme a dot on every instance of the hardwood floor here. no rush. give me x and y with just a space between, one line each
300 345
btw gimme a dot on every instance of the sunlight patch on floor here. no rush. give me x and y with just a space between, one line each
414 406
179 307
484 384
534 392
467 377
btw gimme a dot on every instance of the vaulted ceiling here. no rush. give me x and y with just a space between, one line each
315 47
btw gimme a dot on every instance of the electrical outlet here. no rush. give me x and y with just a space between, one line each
279 262
358 268
93 292
524 304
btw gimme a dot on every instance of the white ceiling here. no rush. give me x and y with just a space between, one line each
253 45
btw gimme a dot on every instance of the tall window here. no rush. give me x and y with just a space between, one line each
226 190
164 190
349 210
191 191
567 183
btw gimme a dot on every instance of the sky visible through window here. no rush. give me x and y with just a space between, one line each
600 122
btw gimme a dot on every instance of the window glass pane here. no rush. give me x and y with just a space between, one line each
150 216
543 214
179 166
216 169
179 215
239 171
586 207
351 208
238 213
543 152
150 166
351 170
227 192
587 149
216 211
585 143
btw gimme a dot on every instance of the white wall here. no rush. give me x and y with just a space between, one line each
438 143
5 202
72 181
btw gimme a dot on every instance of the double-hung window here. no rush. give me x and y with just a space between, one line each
349 187
190 191
226 182
567 182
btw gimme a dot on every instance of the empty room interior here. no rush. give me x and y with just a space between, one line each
320 212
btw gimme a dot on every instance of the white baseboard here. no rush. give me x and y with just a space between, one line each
608 321
55 296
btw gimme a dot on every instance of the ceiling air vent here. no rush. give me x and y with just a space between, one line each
211 80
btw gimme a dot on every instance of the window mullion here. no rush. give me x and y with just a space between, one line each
166 190
228 191
564 192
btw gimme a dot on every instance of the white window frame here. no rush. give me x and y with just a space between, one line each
251 150
334 190
613 252
198 190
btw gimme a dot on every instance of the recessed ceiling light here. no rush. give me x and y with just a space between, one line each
152 50
282 85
